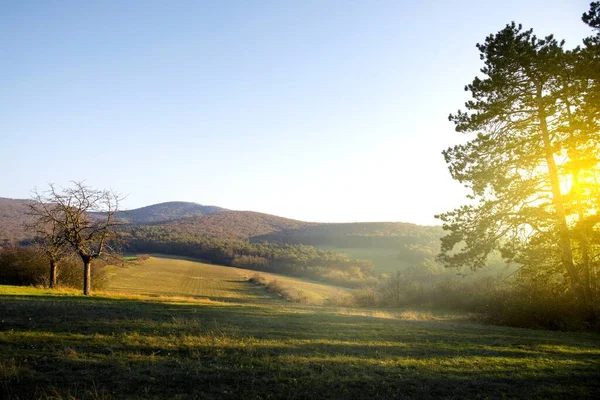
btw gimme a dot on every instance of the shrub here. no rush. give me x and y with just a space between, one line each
341 299
365 297
531 306
275 287
258 279
542 302
293 295
20 265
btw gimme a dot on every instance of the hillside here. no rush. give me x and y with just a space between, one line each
183 228
13 219
357 234
162 276
168 211
213 221
389 245
179 216
234 225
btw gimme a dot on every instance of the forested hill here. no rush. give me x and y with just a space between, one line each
358 234
194 219
209 232
168 211
344 253
232 225
13 219
176 217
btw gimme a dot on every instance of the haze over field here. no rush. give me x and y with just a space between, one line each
317 111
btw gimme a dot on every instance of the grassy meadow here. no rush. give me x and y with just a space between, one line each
183 277
222 337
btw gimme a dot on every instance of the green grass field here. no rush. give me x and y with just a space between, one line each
174 328
181 277
66 346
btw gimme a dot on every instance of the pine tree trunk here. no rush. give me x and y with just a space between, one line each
561 215
582 231
87 277
585 253
53 273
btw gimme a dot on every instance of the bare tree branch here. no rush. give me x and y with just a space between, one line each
78 218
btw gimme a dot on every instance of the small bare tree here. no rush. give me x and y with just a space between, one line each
82 218
49 238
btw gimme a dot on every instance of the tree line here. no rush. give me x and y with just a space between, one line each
294 260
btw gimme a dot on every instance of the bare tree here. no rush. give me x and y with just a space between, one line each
49 238
82 218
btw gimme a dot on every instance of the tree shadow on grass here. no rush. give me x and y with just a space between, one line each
80 314
239 375
141 349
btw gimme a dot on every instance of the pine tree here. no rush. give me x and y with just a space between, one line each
533 167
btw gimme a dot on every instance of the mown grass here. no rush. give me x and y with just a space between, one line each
69 346
182 277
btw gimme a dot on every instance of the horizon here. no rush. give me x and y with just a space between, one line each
320 111
229 209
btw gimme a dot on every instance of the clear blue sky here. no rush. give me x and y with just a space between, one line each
317 110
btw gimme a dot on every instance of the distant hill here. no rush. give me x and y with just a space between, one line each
211 221
183 228
233 225
179 216
13 219
168 211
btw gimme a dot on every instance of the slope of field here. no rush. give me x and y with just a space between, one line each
180 277
103 347
177 277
